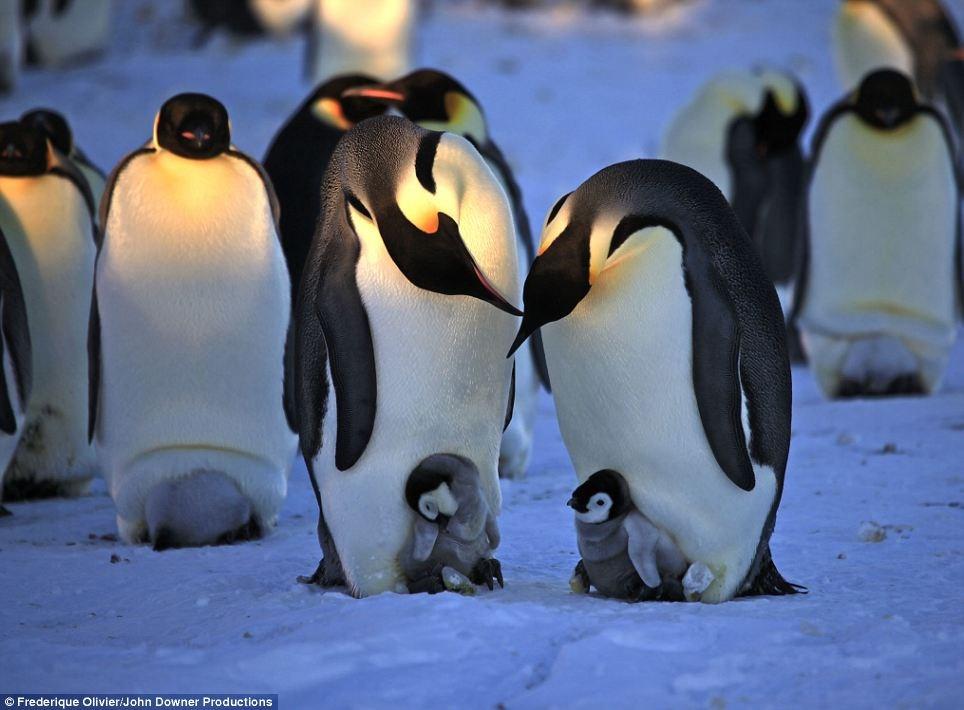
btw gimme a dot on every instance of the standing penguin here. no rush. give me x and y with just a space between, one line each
298 155
666 348
436 101
367 36
58 132
11 45
187 336
743 131
876 297
16 377
403 307
46 213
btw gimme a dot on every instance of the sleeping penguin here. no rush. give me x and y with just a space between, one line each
743 131
403 311
298 155
881 275
436 101
666 348
454 532
58 132
624 555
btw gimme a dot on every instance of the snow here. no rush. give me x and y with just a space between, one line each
872 519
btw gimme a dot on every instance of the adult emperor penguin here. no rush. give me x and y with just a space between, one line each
876 300
743 130
58 132
405 302
46 213
368 36
667 354
187 336
298 155
62 31
17 376
436 101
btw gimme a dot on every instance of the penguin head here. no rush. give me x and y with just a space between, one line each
886 99
433 100
193 126
53 125
330 104
603 496
780 120
23 150
436 206
428 490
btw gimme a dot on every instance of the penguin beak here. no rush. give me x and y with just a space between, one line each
557 282
571 502
888 116
379 93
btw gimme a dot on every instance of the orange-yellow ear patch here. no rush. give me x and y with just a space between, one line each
426 221
329 110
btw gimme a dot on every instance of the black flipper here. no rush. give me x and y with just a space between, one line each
14 326
61 166
511 406
8 420
81 157
334 323
93 365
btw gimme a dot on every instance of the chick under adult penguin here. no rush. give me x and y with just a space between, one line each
58 132
436 101
187 336
876 297
405 301
298 156
667 352
743 130
47 216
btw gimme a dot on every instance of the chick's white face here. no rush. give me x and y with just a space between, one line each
597 510
440 500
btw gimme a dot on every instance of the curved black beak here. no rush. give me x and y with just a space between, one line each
557 282
571 502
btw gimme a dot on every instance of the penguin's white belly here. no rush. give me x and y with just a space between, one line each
48 228
193 298
883 212
443 384
865 39
621 371
380 45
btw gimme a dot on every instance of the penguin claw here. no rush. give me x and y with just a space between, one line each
486 571
323 577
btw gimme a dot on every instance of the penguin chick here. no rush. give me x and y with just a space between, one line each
623 554
454 532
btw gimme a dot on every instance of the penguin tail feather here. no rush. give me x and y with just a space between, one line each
769 582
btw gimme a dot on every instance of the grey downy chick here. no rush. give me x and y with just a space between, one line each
623 554
454 532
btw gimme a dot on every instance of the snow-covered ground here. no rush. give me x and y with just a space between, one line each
567 93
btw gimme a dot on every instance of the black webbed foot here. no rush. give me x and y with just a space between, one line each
430 584
580 582
487 571
325 576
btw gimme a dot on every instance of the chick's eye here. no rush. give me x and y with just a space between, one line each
599 502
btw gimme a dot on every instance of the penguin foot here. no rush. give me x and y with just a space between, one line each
325 576
431 584
4 511
579 582
487 571
906 385
23 489
204 508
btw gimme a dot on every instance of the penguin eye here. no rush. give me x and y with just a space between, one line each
599 502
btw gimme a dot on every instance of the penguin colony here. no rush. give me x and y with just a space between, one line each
358 298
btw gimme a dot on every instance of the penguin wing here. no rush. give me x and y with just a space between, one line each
82 158
334 332
111 182
268 187
511 406
642 537
58 165
16 337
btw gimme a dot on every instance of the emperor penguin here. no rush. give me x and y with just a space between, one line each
11 45
58 132
743 130
16 378
46 213
298 155
187 337
405 304
367 36
876 297
64 31
916 38
437 101
667 354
